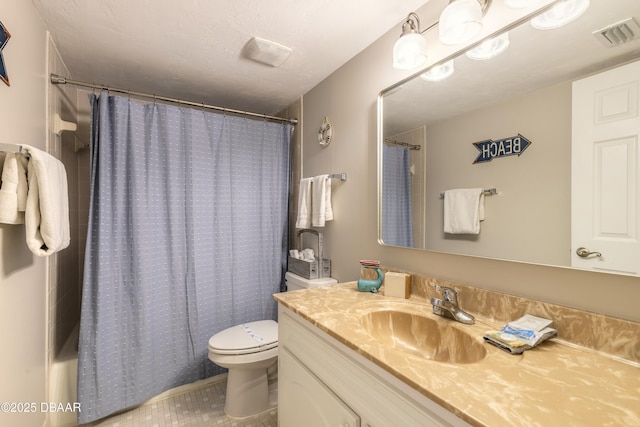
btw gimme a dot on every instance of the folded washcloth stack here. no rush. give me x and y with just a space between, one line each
522 334
370 263
303 255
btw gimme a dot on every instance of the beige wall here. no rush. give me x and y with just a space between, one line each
23 293
348 98
530 217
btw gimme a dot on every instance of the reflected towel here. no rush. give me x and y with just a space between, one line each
47 209
304 204
13 189
463 210
321 209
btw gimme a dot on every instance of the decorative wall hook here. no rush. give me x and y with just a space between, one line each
325 133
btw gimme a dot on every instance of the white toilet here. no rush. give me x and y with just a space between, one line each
250 352
295 282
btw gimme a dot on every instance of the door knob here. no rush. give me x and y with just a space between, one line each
585 253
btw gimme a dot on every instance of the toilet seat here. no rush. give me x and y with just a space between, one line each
246 338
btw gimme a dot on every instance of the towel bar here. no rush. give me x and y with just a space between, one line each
13 148
487 192
341 176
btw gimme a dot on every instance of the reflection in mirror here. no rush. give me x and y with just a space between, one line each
403 190
522 109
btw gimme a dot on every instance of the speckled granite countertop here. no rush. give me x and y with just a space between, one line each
556 383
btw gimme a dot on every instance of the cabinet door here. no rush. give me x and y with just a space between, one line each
303 400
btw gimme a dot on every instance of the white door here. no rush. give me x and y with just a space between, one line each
305 401
605 207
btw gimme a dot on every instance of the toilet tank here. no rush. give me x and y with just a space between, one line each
295 282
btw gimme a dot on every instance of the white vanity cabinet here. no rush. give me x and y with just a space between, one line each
322 382
309 402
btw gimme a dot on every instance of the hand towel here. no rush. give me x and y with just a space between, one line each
13 189
47 209
304 204
321 209
463 210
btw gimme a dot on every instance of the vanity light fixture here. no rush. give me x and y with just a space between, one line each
410 50
461 20
490 48
561 14
438 72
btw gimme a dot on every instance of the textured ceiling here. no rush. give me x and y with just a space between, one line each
191 49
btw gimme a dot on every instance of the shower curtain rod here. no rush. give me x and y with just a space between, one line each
402 144
60 80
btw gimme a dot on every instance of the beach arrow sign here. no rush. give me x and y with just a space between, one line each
490 149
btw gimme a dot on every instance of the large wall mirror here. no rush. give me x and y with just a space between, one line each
528 110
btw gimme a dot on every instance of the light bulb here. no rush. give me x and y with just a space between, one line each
560 14
409 51
438 72
460 21
490 48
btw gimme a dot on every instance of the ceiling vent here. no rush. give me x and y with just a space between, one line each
618 33
266 51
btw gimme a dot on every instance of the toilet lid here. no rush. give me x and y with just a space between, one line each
249 337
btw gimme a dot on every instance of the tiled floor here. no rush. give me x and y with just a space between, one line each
203 406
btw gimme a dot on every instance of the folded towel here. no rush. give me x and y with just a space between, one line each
13 189
47 209
463 210
304 204
321 209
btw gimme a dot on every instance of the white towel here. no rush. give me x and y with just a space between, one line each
463 210
13 189
321 209
304 204
47 210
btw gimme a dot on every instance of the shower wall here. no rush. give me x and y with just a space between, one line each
65 267
295 156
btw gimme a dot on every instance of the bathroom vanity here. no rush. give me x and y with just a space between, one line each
350 358
322 382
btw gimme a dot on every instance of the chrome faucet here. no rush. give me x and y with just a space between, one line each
448 306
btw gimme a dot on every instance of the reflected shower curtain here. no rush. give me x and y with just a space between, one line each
187 236
397 221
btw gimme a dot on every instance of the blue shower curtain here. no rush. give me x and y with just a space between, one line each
397 220
187 236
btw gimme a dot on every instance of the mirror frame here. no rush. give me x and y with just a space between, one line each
380 140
